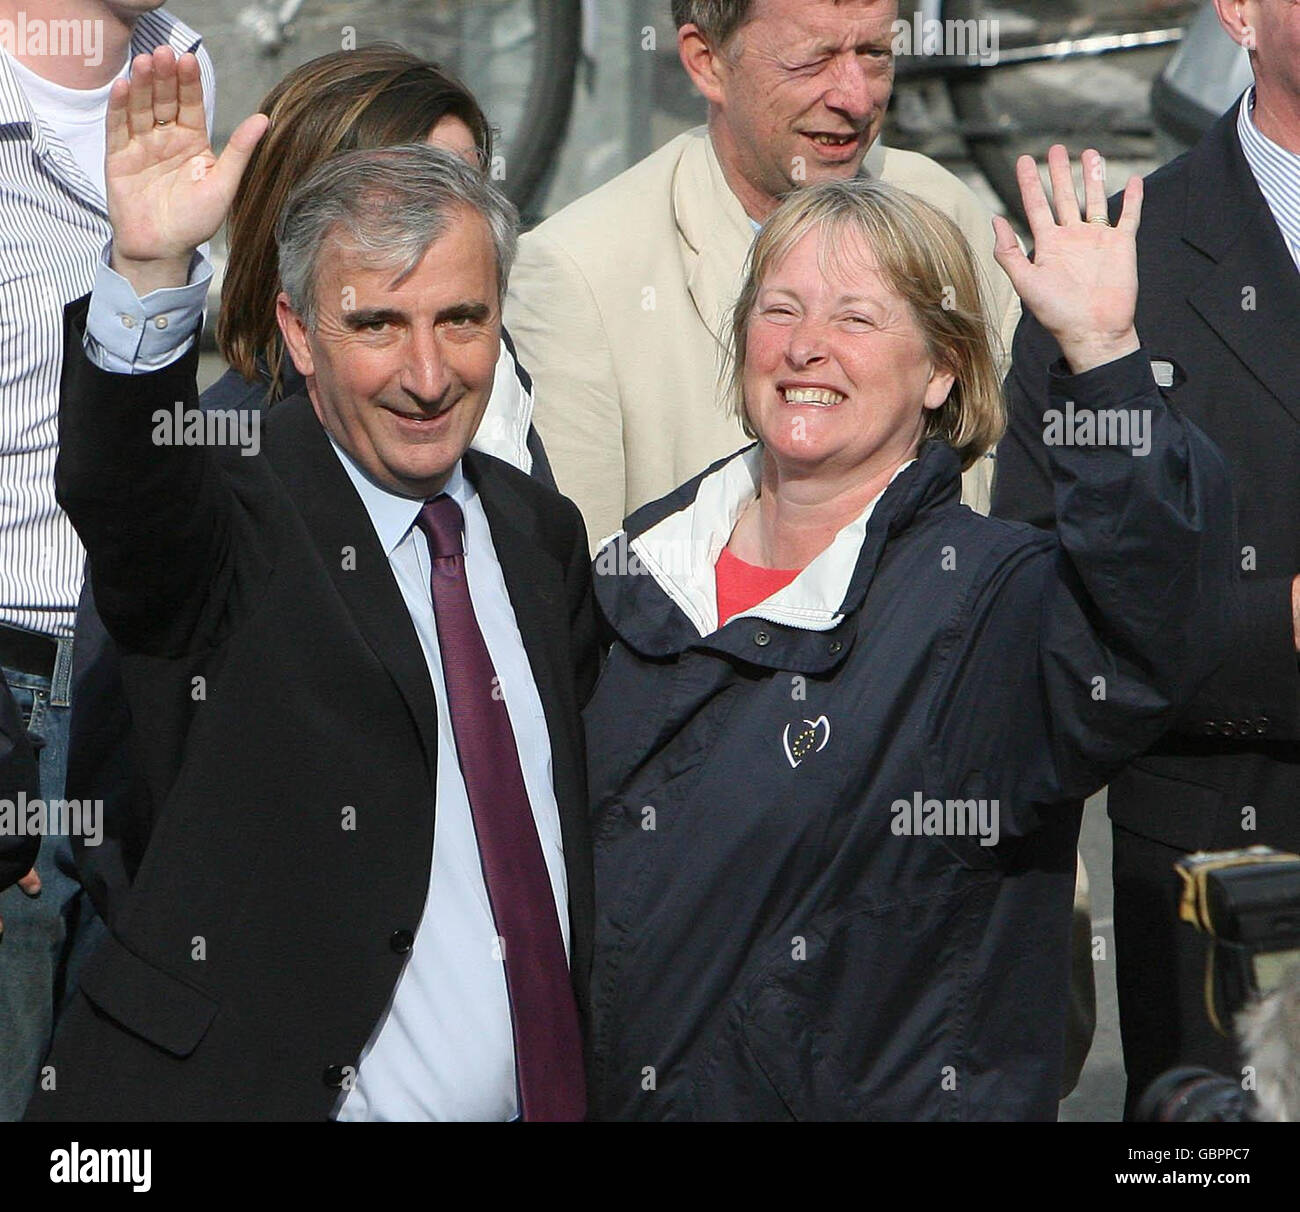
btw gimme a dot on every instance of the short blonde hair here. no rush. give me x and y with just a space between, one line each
923 257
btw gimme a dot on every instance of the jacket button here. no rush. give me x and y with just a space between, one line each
401 941
762 639
836 645
1210 728
1261 725
333 1076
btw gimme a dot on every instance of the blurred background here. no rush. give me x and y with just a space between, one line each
581 89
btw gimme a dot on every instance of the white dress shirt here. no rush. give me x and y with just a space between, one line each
1276 171
443 1049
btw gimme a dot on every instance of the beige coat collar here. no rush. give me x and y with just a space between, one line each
715 230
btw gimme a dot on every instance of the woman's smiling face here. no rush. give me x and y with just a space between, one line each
837 375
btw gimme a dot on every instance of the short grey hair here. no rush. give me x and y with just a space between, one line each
717 20
390 203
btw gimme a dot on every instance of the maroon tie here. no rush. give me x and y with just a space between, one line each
548 1045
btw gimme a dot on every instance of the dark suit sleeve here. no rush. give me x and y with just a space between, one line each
582 610
17 773
1022 479
1256 691
1129 607
169 547
100 765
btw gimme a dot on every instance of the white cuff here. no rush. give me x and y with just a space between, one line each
129 335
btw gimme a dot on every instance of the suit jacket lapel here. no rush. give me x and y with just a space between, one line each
1251 297
715 230
345 537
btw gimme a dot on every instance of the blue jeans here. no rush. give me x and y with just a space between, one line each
47 937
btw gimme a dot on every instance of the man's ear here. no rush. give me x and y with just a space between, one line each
1232 17
703 63
294 332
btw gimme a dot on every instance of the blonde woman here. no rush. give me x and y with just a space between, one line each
842 717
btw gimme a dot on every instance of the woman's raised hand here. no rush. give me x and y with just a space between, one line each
1082 283
167 192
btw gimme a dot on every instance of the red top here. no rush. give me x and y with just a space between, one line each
742 586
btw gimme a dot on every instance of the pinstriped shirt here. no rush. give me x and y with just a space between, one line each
1276 171
53 227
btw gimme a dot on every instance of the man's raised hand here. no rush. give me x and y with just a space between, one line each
167 192
1082 283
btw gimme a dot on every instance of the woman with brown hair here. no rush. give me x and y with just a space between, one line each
375 96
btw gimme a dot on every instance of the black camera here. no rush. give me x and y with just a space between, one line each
1248 903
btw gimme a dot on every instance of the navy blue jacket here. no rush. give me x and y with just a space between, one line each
773 940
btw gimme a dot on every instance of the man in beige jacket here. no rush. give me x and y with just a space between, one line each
619 302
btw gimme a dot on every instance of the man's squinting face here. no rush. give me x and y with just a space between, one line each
400 373
837 376
805 91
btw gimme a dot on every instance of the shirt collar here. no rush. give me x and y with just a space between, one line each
681 552
391 515
1275 169
870 169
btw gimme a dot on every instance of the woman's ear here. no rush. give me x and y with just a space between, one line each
940 386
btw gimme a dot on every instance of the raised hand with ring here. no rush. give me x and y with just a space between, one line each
167 191
1082 282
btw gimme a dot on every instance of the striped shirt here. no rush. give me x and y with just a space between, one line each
53 226
1276 171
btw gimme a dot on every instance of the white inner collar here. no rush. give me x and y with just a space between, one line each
682 550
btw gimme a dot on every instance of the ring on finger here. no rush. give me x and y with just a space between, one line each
1104 220
163 121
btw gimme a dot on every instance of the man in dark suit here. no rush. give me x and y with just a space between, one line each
354 655
1219 305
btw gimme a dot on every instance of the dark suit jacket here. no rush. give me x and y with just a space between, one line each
1220 299
17 773
277 687
99 754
